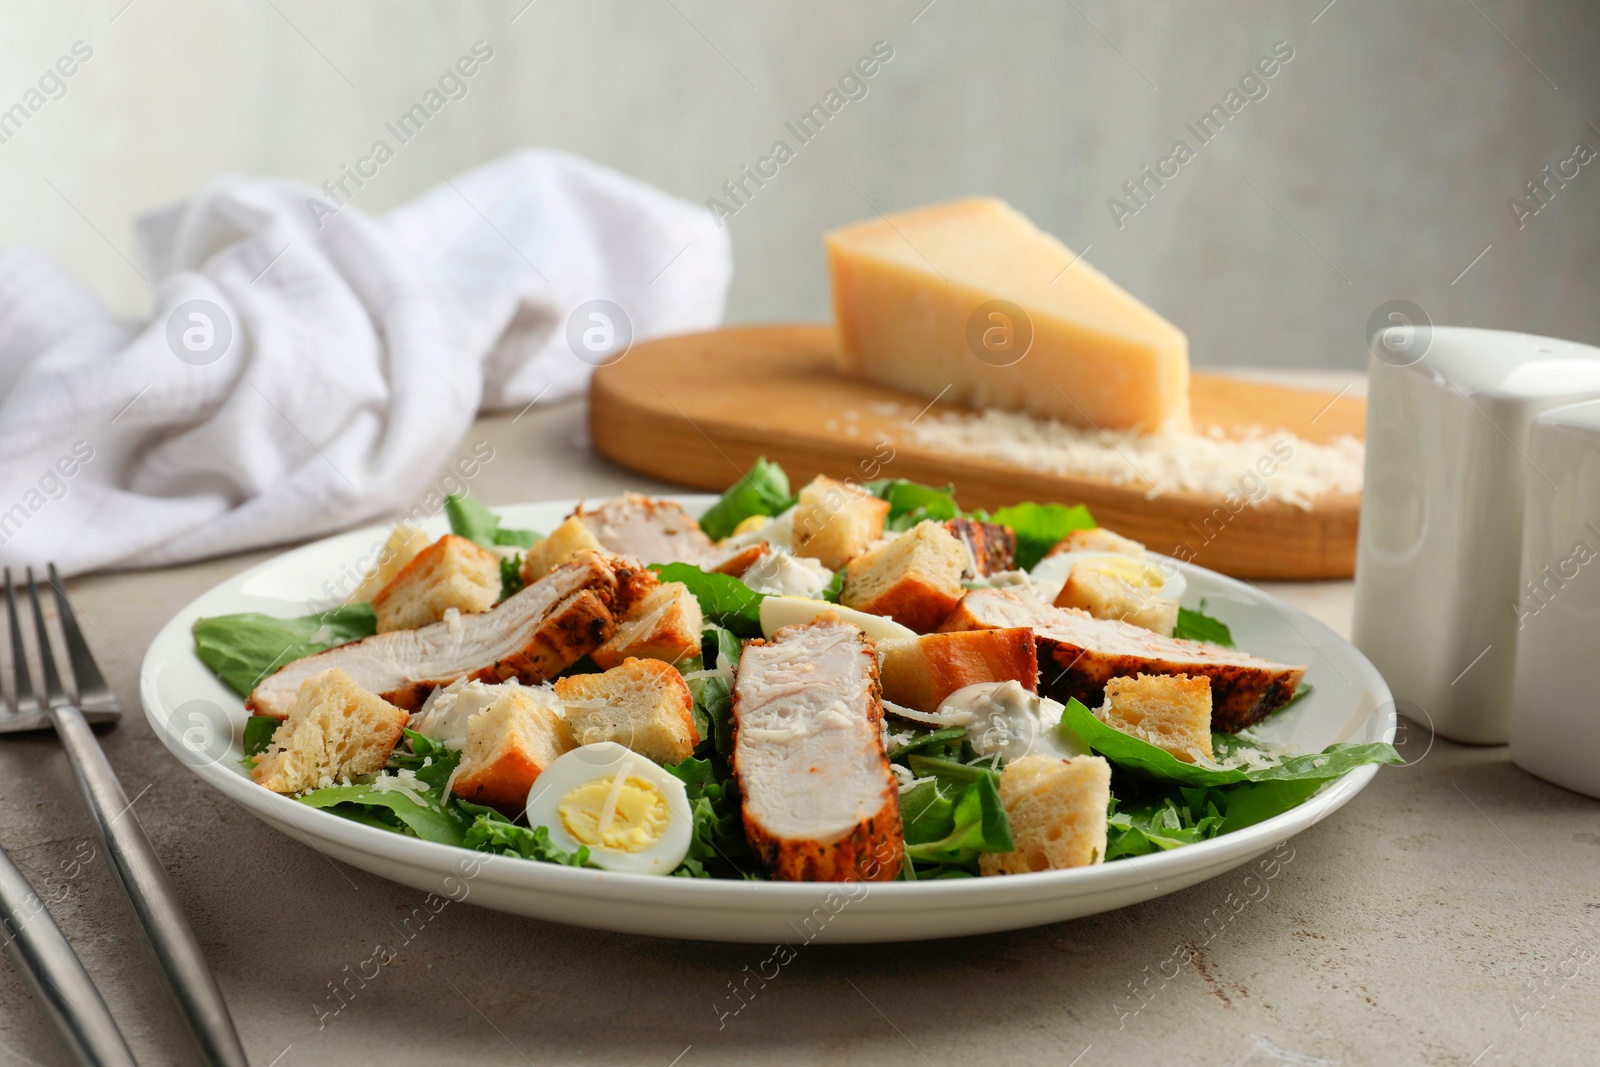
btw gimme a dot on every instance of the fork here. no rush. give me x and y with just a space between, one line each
143 878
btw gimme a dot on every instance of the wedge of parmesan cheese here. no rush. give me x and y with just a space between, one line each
971 300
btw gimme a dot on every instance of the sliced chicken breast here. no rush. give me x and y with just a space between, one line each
531 636
648 530
1079 654
820 803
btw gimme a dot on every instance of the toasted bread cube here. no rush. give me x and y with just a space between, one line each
564 542
335 731
993 546
914 579
1170 711
835 522
450 573
1057 809
918 673
403 545
1110 596
509 744
665 625
1098 539
644 705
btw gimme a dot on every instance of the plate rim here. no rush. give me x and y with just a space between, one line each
696 893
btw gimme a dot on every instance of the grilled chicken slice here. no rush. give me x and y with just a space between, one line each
993 546
531 636
820 803
650 531
1079 653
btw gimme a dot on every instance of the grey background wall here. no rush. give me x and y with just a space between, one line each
1378 165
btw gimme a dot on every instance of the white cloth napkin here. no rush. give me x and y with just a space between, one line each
361 350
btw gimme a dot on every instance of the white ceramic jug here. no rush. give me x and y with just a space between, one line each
1439 553
1555 707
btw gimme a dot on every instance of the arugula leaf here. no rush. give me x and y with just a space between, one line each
763 490
980 825
470 519
511 582
911 502
724 599
258 731
1196 625
243 649
429 814
927 740
1039 527
492 832
1128 753
949 772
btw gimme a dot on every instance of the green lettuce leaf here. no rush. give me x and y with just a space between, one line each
470 519
927 811
1183 817
718 843
979 824
713 697
1196 625
258 731
724 599
911 502
1040 527
490 831
243 649
763 490
511 582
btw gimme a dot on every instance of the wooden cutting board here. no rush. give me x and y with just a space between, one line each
698 409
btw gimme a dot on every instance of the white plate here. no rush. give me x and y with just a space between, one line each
1349 703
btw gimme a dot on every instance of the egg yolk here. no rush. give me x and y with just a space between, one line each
1132 571
621 813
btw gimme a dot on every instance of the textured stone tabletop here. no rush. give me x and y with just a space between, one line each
1450 914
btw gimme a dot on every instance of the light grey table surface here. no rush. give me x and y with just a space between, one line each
1450 914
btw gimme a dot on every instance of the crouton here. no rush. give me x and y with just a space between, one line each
993 546
914 579
335 731
643 704
564 542
1057 809
835 522
1106 595
1171 711
401 548
509 744
665 625
918 673
450 573
1098 539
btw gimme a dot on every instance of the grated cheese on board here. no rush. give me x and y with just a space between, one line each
1260 465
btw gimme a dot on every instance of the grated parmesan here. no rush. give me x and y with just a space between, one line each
1205 463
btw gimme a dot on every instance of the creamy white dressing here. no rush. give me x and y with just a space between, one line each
1004 719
